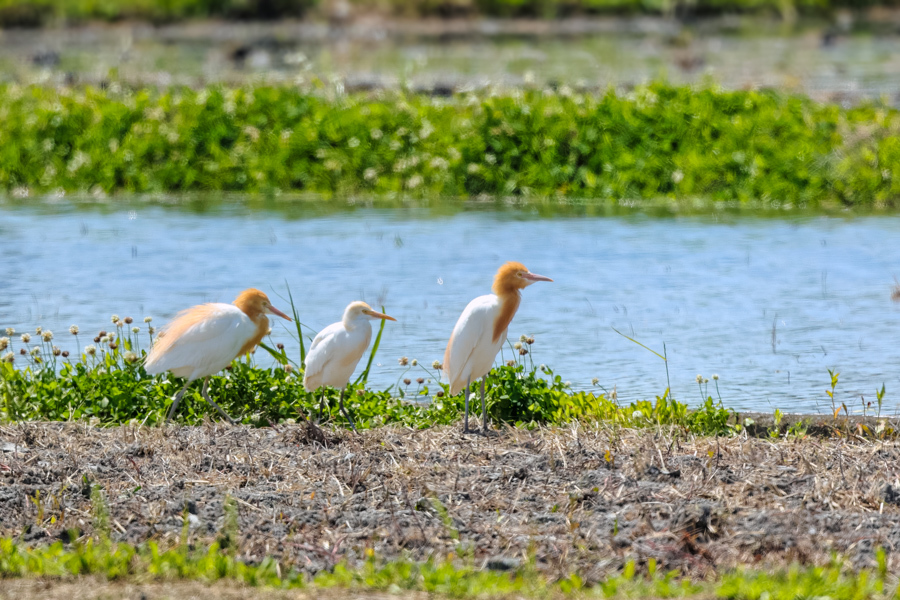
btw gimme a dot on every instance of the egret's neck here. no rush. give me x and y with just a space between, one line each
351 322
509 304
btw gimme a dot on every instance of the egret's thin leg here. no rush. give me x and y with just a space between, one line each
321 405
483 412
466 421
205 394
346 414
176 401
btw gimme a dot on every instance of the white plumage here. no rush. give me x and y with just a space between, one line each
472 352
207 346
336 351
334 354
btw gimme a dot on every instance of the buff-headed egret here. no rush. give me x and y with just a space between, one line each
204 339
336 351
481 330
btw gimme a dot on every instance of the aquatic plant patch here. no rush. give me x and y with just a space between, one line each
656 141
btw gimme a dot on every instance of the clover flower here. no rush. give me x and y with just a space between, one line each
73 329
440 394
517 345
56 351
129 320
152 330
510 363
437 365
595 380
420 380
36 351
407 381
360 393
699 378
414 362
637 415
10 331
523 351
8 357
38 330
120 323
101 371
147 319
529 341
403 361
288 368
130 357
4 343
90 350
715 377
523 337
25 337
135 330
114 318
47 336
65 354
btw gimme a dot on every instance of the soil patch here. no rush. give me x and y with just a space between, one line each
582 498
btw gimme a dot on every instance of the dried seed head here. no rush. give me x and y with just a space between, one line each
56 351
47 336
403 361
65 354
129 320
25 337
529 341
280 346
113 345
510 363
152 330
23 351
407 381
437 365
420 380
360 393
90 350
523 351
97 339
73 329
440 394
102 332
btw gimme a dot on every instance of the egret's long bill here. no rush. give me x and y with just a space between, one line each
534 277
377 315
271 309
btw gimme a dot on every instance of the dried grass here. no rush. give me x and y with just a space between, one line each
585 498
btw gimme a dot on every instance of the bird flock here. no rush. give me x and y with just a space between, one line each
204 339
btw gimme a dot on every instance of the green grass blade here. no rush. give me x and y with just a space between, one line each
364 376
276 354
298 324
639 344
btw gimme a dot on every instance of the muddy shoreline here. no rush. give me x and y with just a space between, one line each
581 498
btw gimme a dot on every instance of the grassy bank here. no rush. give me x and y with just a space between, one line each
658 141
33 13
95 561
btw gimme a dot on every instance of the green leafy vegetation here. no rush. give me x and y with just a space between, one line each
32 13
107 383
658 141
122 562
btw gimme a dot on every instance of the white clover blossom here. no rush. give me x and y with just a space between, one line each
73 329
36 351
403 361
376 134
130 357
4 343
715 377
147 319
517 345
414 362
353 142
9 357
120 323
56 351
595 380
101 371
637 415
135 330
47 336
370 174
114 318
90 350
699 378
38 330
436 364
523 337
10 331
490 158
25 337
151 330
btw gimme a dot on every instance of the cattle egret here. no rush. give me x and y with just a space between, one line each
337 349
481 330
204 339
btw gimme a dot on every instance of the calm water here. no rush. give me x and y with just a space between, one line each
768 305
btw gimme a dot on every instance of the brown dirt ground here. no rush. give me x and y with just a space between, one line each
583 498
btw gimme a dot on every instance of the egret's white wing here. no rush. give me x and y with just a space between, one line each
201 341
471 351
334 354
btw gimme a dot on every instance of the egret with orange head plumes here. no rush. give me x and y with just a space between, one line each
204 339
336 351
481 329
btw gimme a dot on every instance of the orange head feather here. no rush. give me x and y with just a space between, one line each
512 277
255 303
